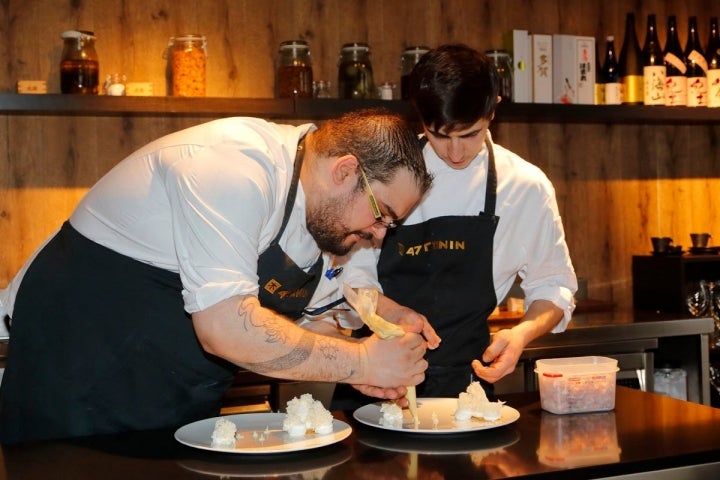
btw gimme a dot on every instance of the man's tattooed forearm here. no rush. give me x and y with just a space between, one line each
295 357
258 318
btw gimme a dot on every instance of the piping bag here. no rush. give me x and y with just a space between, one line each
365 303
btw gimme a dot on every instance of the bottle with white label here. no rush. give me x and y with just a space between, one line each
696 67
713 62
675 80
610 75
653 66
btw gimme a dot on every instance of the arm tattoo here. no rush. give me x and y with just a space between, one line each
274 328
295 357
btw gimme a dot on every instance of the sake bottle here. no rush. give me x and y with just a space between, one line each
610 75
630 65
712 56
653 66
696 67
675 81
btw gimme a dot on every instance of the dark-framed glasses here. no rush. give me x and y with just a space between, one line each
373 202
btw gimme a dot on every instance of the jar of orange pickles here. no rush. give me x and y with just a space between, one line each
186 56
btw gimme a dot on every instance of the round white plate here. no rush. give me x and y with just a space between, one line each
261 433
444 408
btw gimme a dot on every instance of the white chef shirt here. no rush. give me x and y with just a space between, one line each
203 202
530 239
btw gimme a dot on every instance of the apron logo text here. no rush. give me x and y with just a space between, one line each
427 247
273 286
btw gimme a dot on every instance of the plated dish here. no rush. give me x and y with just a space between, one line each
258 433
436 415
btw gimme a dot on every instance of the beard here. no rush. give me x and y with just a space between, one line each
324 222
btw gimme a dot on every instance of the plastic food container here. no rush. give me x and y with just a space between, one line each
577 384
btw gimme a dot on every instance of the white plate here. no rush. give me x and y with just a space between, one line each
444 408
261 433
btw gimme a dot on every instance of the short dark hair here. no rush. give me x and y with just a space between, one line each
453 86
383 142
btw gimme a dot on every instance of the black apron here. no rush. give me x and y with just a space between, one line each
101 343
442 268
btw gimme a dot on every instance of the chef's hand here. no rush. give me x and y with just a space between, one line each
506 346
396 394
500 357
409 319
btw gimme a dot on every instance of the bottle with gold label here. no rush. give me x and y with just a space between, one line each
630 65
675 79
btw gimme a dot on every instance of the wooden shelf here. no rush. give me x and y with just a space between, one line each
319 109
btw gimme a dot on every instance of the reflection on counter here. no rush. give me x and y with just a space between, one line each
579 440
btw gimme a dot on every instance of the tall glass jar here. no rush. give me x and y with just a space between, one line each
186 56
355 75
79 67
409 58
503 63
294 75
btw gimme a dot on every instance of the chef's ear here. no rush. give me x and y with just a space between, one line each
344 169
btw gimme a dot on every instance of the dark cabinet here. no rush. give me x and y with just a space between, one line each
661 282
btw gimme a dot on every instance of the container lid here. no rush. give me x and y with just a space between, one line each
294 44
496 53
575 365
356 47
418 50
78 34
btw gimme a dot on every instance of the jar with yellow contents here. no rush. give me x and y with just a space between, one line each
186 56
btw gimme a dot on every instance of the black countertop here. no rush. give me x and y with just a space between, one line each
645 432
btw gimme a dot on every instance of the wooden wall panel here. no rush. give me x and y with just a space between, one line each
617 185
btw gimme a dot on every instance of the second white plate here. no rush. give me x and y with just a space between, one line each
259 433
429 408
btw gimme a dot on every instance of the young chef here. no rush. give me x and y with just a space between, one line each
489 218
188 259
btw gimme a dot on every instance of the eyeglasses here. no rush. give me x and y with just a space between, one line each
373 202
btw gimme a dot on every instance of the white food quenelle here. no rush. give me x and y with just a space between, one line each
365 303
306 414
392 415
224 433
473 402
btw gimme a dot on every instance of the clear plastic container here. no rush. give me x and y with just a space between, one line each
577 384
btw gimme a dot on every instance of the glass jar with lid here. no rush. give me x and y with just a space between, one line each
294 74
503 63
355 74
409 58
79 66
186 56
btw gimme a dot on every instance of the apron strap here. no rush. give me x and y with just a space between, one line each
292 193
